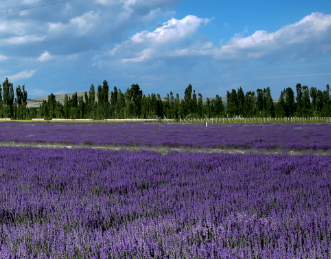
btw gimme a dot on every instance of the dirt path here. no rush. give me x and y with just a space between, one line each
164 149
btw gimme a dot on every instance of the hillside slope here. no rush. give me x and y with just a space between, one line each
35 102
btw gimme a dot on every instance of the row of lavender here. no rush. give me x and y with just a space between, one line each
286 136
85 203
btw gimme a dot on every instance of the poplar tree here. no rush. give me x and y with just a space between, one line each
219 108
51 104
281 105
159 111
105 99
8 98
136 97
113 101
241 101
232 103
91 103
177 106
66 107
290 102
259 102
87 111
172 105
305 109
270 110
187 100
299 100
200 106
249 104
1 103
326 101
194 104
313 95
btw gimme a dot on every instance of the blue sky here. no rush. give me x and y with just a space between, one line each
163 45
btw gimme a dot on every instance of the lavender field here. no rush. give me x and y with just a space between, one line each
268 136
85 203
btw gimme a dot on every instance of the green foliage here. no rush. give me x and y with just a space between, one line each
134 104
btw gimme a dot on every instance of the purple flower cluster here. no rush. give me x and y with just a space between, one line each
85 203
285 136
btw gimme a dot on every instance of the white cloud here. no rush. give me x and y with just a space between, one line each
308 38
170 33
79 25
2 58
23 39
45 56
29 2
22 75
85 22
171 30
104 2
309 34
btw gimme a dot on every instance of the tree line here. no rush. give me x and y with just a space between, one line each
101 104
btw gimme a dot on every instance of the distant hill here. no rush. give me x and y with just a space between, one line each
35 102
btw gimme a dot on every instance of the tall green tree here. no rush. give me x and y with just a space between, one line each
281 105
232 103
194 105
136 97
200 106
187 100
326 102
177 107
313 95
8 98
51 104
219 108
113 101
1 103
290 103
92 102
260 102
105 99
305 105
249 104
66 107
208 108
270 109
299 100
241 101
159 111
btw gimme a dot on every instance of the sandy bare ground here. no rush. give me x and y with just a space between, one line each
164 149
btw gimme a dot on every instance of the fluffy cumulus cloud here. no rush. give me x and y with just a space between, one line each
166 37
308 38
45 56
85 36
73 27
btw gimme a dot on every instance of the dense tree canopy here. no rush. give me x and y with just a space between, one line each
134 104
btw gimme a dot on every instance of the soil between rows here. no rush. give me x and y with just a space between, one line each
165 149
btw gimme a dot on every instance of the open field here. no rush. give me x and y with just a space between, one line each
266 136
85 203
133 190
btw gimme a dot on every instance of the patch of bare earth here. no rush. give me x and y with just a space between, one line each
164 149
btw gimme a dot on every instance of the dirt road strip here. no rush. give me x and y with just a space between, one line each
164 149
